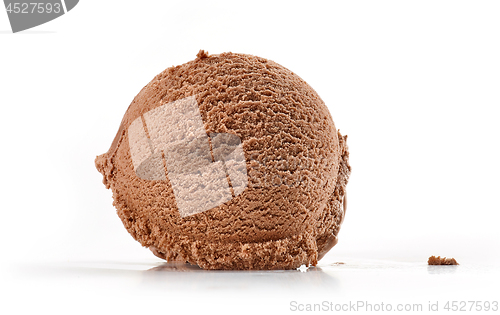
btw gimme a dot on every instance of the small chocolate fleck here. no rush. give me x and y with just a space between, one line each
202 54
433 260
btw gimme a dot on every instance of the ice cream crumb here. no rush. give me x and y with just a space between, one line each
433 260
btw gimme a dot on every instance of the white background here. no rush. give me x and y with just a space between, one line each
414 84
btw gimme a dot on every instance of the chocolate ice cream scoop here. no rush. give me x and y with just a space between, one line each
229 161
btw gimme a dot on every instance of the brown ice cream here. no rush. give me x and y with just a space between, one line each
433 260
229 161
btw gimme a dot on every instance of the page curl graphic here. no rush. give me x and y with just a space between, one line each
24 14
205 170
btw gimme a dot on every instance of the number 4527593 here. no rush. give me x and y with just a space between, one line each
39 8
471 306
